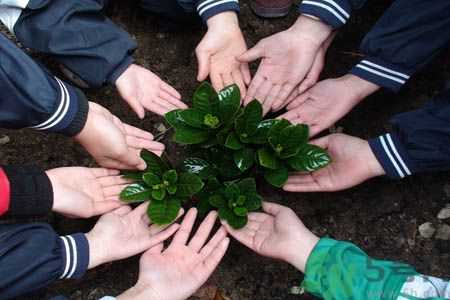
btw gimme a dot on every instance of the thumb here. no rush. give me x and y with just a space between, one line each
131 159
203 65
322 142
252 54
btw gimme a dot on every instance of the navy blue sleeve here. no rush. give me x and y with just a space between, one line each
209 8
32 256
405 38
31 97
78 35
419 142
335 13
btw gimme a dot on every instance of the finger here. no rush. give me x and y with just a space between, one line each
303 187
122 211
220 234
103 172
213 260
139 143
112 191
163 235
252 54
140 211
157 109
227 79
312 77
157 249
165 104
272 96
237 78
203 59
272 208
245 71
110 163
139 133
262 95
216 81
298 101
280 101
137 107
315 129
257 217
154 229
103 207
243 236
112 181
131 159
257 81
202 234
300 179
322 142
294 94
290 115
186 227
170 89
175 101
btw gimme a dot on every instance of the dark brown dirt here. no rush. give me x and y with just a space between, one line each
381 216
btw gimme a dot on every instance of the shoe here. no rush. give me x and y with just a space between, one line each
271 8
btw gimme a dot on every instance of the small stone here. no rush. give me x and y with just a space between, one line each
443 233
444 213
4 140
297 290
427 230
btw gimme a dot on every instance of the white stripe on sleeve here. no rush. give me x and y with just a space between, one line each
328 8
388 152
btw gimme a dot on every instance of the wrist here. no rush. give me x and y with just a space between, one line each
96 251
359 87
312 29
140 292
224 22
302 249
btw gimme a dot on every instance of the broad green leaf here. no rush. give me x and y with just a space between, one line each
192 117
232 142
241 200
159 194
212 185
253 202
247 186
310 158
135 193
151 179
154 163
132 175
203 206
164 212
170 176
289 141
244 159
262 132
276 129
172 189
247 123
223 133
223 162
217 201
240 211
227 103
188 185
190 135
277 177
267 159
199 167
202 97
174 119
232 191
237 222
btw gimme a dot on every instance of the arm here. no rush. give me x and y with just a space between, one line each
78 35
32 256
209 8
404 39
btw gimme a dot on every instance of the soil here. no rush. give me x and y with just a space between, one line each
381 216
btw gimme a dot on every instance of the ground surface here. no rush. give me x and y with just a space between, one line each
381 216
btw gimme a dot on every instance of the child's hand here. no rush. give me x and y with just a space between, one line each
277 233
123 233
177 272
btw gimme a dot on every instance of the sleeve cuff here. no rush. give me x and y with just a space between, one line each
392 156
71 113
209 8
334 13
75 250
120 69
31 192
381 73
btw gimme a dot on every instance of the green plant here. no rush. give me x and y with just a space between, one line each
228 143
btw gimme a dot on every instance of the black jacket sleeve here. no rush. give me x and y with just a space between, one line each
78 35
31 97
32 256
405 38
419 142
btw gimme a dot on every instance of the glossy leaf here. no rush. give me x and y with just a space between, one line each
253 202
310 158
172 189
151 179
232 142
231 191
223 163
237 222
159 194
247 123
170 176
276 129
135 193
244 159
217 201
174 119
188 185
190 136
227 103
262 132
240 211
164 212
199 167
192 117
247 186
289 141
203 206
132 175
267 159
154 163
277 177
202 97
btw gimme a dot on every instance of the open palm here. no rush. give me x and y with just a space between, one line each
353 162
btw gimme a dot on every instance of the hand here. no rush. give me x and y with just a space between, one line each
85 192
328 101
277 233
352 162
287 57
218 51
114 144
124 233
177 272
143 90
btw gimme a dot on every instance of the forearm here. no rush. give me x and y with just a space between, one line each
97 51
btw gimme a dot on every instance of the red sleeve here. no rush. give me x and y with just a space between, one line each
4 192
